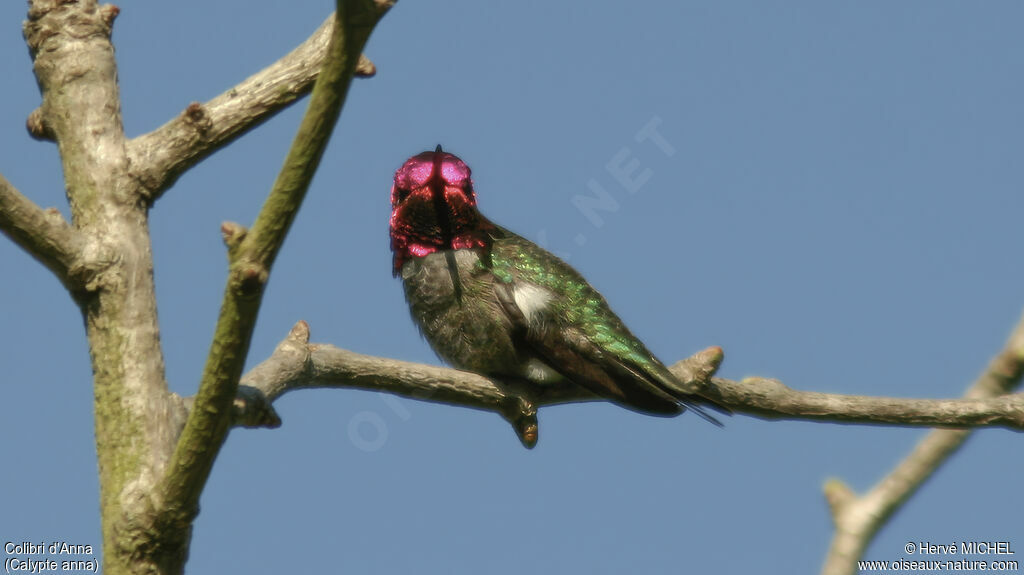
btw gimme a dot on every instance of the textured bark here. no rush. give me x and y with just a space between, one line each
154 454
135 421
43 233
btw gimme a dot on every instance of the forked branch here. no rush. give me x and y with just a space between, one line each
858 519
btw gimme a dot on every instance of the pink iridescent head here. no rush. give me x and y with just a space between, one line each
433 207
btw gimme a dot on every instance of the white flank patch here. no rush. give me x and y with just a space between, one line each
531 300
538 372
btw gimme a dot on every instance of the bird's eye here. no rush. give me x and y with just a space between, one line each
468 193
400 195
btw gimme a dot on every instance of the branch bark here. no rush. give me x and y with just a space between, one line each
161 156
44 234
858 519
251 254
770 399
112 266
298 364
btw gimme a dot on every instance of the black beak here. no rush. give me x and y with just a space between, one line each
444 220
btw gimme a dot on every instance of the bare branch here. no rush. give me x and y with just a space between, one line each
298 364
161 156
770 399
44 234
858 519
251 254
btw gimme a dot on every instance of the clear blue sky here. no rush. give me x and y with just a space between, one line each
842 211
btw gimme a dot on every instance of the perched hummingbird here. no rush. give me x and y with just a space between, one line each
492 302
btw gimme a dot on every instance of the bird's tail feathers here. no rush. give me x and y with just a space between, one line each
693 405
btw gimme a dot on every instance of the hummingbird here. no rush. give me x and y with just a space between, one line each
492 302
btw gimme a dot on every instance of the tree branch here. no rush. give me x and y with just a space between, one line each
251 254
770 399
298 364
161 156
858 519
44 234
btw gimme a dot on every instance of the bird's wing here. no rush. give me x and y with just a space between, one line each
571 352
569 326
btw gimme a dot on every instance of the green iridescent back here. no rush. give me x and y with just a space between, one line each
577 303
